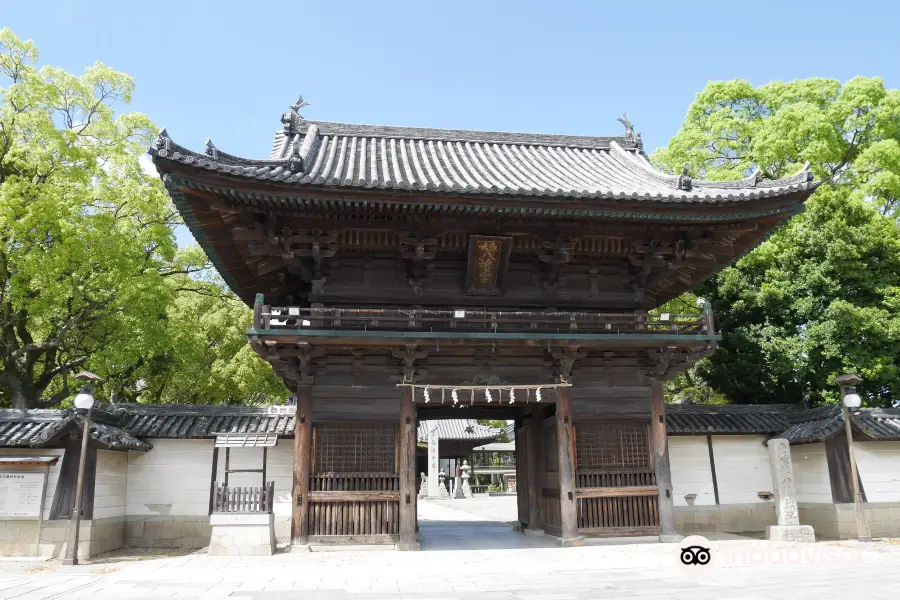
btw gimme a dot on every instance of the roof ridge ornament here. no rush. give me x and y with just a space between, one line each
211 149
293 114
684 181
630 134
295 160
163 141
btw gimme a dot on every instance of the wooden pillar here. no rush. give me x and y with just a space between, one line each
522 483
302 468
407 472
660 443
566 452
535 450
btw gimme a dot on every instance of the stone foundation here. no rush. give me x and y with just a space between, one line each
242 535
728 518
838 521
95 537
190 532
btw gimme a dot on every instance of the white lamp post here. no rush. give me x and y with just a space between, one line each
850 401
84 402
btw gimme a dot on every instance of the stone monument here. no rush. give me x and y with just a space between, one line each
789 528
435 484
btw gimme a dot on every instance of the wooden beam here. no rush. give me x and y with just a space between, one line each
566 452
660 445
712 468
302 468
533 457
407 472
617 492
522 482
341 496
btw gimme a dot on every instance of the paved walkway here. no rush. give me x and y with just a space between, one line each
484 526
505 569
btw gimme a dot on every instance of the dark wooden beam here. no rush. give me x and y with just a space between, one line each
407 472
302 468
712 468
566 450
661 465
533 457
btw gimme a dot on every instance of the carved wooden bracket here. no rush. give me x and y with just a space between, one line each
418 251
555 253
565 360
408 356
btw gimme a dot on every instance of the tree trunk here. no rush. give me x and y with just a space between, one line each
21 390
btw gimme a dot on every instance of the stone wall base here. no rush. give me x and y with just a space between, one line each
242 535
838 521
185 531
724 518
790 533
17 537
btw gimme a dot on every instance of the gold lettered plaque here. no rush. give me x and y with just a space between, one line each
488 258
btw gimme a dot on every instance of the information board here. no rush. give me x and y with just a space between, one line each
20 494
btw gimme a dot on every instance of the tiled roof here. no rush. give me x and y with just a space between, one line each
196 421
458 429
41 428
821 424
687 419
314 153
119 427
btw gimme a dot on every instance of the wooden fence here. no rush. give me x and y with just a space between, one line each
244 499
354 506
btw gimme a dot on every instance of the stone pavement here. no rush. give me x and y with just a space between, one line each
506 566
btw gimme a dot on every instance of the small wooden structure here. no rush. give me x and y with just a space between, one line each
242 499
374 256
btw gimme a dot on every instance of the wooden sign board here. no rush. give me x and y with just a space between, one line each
488 259
20 494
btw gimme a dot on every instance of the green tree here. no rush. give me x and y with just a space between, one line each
496 424
822 296
90 274
208 360
85 234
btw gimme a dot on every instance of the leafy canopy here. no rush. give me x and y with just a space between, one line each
90 274
822 296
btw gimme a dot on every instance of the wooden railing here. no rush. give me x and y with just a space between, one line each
244 499
292 318
617 502
506 462
364 507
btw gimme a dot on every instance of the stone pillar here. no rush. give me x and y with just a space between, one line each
789 528
660 443
434 467
302 468
566 452
423 486
407 472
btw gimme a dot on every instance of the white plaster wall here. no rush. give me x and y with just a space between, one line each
279 468
54 470
110 484
689 463
811 482
742 468
171 479
879 469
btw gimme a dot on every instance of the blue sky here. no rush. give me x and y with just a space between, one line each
228 69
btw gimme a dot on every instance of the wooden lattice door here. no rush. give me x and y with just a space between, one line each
354 489
616 491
